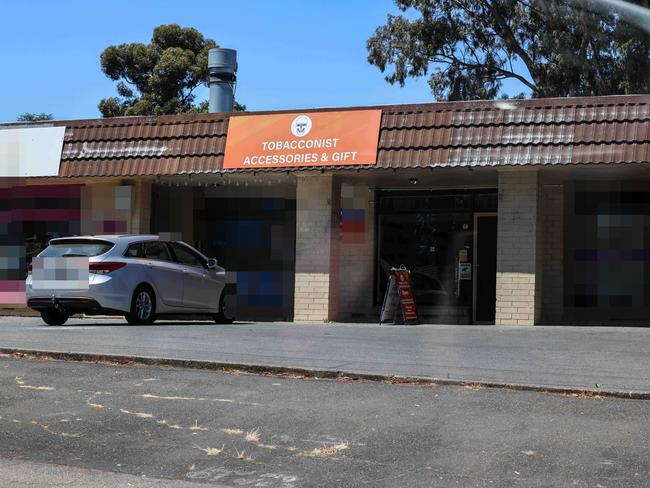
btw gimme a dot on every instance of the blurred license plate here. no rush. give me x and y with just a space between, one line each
60 273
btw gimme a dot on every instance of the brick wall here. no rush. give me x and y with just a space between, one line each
317 200
141 214
518 283
552 232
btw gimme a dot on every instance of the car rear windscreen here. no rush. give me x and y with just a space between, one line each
76 248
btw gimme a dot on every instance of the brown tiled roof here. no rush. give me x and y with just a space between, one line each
611 129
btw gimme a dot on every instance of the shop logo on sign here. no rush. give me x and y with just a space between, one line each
301 126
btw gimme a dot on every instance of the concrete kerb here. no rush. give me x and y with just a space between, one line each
324 374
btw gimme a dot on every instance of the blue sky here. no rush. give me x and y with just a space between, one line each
292 53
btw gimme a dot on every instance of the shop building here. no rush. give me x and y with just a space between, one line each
518 212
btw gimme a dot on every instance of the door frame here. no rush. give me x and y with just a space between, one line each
477 215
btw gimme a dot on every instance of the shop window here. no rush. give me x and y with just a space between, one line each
431 233
253 238
33 214
607 272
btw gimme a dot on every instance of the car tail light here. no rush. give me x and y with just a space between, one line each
104 268
29 268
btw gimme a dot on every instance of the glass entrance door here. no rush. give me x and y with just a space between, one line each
429 245
485 268
432 234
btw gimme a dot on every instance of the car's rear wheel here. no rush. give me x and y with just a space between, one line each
143 307
224 316
52 316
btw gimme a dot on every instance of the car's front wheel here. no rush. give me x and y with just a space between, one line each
224 316
52 316
143 307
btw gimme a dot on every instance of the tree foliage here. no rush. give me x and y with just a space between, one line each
160 77
555 48
29 117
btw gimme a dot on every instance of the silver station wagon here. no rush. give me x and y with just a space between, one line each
140 277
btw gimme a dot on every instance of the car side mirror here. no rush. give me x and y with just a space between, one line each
212 263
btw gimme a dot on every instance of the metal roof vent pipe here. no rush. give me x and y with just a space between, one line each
222 66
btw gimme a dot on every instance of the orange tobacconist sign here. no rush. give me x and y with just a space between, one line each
310 139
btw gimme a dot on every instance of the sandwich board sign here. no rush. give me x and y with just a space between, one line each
399 303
